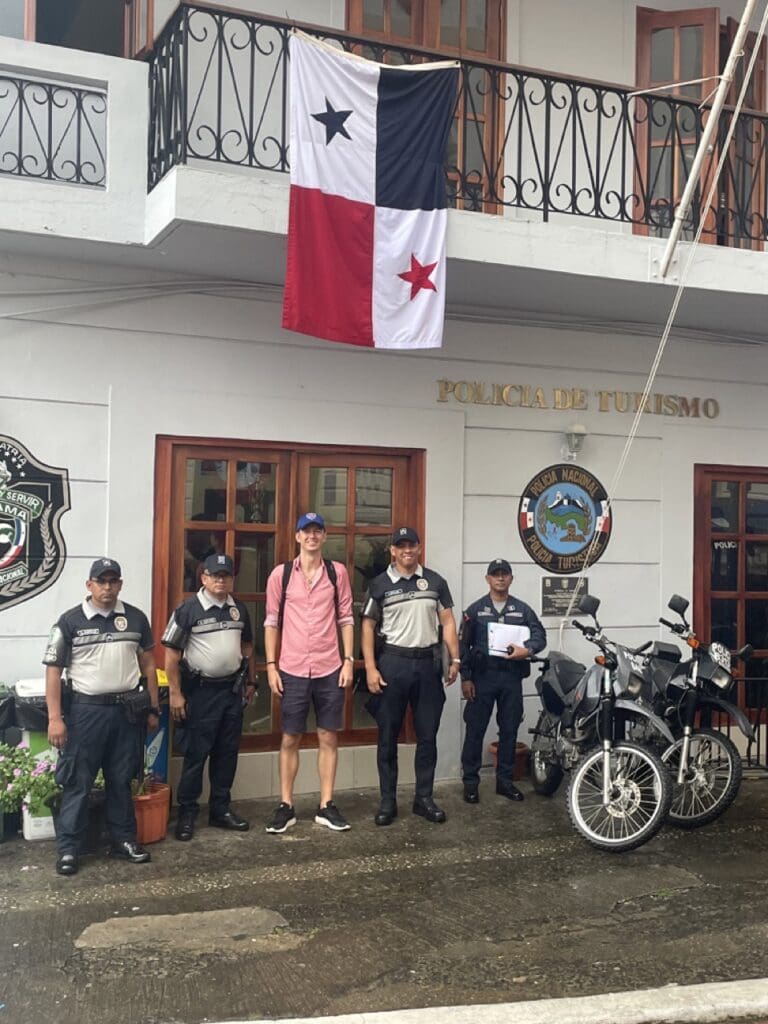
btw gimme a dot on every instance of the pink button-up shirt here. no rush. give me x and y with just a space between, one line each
309 639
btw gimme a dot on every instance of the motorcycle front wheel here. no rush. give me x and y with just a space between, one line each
639 798
546 774
711 779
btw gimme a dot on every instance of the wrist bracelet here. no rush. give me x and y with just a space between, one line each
348 657
456 661
271 662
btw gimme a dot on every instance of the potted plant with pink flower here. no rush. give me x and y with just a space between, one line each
26 779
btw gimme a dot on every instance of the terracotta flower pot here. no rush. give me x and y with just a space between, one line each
522 763
152 811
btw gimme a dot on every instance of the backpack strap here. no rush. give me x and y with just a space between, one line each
287 570
330 568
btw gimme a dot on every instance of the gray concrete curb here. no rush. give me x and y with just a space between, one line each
680 1004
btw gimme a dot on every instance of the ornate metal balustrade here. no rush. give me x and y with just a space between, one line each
52 131
541 143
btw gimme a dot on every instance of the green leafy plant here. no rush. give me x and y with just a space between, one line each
26 779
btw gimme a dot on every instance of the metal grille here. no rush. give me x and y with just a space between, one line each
539 143
52 131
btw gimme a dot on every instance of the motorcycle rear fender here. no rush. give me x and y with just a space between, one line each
732 711
657 723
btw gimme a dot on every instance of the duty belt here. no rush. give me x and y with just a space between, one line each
410 652
100 698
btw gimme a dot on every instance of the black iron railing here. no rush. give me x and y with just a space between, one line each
52 131
541 143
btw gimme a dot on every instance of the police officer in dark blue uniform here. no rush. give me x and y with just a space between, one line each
492 677
105 646
211 679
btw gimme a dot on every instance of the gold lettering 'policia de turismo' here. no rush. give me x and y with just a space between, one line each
528 396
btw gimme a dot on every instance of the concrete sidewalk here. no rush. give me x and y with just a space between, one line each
493 915
714 1003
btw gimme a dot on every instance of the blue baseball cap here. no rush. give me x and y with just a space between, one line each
310 519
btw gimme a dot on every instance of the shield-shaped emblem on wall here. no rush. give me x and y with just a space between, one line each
33 498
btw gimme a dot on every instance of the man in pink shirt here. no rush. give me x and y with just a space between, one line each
302 623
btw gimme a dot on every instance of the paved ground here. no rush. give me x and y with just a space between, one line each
504 903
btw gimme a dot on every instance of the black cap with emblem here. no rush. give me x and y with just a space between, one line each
405 534
499 565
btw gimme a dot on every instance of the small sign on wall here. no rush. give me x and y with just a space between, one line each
557 592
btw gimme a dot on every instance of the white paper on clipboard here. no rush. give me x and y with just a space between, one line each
501 635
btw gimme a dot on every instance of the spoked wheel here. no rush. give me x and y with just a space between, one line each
711 778
639 798
545 772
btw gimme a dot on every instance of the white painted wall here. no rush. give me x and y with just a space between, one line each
116 376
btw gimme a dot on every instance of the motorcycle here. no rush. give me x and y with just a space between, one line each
620 791
704 763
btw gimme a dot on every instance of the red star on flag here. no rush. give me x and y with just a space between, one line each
418 276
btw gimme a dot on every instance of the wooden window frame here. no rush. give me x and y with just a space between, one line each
704 476
292 495
132 19
649 20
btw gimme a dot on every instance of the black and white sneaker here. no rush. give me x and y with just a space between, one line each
331 817
283 818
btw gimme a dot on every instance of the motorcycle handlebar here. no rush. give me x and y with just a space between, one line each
641 648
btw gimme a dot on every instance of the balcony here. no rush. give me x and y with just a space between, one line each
525 144
53 131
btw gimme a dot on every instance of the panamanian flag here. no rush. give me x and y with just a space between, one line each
367 219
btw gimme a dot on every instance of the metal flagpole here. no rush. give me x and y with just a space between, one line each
709 129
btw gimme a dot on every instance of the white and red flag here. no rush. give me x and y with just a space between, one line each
366 230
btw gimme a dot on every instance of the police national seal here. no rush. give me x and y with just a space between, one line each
33 498
564 519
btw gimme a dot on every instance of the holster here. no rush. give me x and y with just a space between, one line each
190 679
241 679
66 695
136 705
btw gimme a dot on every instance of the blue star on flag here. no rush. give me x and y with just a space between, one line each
333 121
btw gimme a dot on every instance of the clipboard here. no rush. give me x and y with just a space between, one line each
501 635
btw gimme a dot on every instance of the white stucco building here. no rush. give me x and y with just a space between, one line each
142 349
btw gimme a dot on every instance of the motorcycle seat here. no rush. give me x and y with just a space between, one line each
567 672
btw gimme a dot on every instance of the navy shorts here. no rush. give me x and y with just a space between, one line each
322 691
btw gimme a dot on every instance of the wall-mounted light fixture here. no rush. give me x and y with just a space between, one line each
574 438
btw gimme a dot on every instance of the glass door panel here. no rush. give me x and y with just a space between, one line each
724 506
328 494
725 565
254 560
255 494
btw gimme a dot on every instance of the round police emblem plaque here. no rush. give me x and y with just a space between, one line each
234 613
564 519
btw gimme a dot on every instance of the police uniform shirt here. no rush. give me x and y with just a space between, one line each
98 648
210 634
406 607
474 632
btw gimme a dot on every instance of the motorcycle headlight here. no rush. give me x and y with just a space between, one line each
721 678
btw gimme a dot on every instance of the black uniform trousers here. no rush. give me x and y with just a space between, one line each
211 731
504 689
98 736
418 682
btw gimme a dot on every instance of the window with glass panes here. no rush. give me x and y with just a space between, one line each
684 51
731 570
243 500
473 29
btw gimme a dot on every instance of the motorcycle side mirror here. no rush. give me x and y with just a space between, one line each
588 605
746 652
678 604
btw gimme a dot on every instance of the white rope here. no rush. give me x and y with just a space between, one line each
672 313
